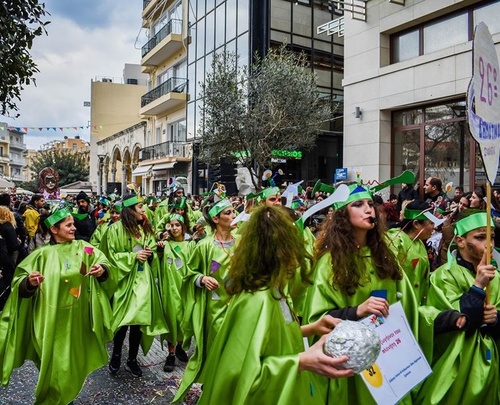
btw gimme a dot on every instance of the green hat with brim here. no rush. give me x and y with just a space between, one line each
474 221
131 201
356 192
219 207
57 216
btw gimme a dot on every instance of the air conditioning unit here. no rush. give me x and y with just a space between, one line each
132 81
107 80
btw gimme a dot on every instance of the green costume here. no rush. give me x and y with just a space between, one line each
412 257
136 300
254 358
204 310
64 327
322 298
466 365
95 239
173 270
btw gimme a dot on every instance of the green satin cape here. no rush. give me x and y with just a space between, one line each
64 327
204 310
136 300
462 373
254 358
322 298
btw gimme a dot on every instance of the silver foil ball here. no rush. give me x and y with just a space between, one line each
356 341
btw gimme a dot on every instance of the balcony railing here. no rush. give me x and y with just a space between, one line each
145 3
165 149
172 27
172 85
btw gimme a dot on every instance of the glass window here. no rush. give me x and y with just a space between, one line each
220 21
192 79
489 15
446 33
192 43
243 16
405 46
210 28
231 18
210 5
201 8
192 11
190 119
243 49
200 49
200 76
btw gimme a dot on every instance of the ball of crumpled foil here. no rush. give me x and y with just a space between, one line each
356 341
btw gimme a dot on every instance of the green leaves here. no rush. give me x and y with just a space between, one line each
20 23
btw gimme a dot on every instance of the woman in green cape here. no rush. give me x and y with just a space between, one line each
203 289
58 314
466 365
114 216
357 275
130 246
177 249
408 245
258 356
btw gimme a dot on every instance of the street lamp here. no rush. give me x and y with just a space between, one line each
99 174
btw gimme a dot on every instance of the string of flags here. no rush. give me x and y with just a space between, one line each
27 129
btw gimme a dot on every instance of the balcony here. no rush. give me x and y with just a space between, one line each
17 145
4 158
179 150
145 3
167 96
165 43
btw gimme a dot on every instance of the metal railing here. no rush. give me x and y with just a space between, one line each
172 85
172 27
145 3
165 149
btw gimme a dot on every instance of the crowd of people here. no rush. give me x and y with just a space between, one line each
247 294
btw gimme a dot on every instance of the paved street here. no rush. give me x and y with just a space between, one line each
155 386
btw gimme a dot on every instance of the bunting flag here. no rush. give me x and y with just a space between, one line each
3 127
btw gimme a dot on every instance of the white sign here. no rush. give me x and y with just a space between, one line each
483 104
401 364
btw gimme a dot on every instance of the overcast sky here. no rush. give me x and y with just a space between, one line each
86 39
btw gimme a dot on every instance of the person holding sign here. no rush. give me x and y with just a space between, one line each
258 356
466 365
356 275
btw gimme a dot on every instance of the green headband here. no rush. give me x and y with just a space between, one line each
472 222
219 207
415 215
57 216
117 206
357 192
176 217
131 201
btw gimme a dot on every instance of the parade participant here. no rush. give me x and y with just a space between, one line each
477 198
357 275
178 248
114 216
435 195
203 288
179 207
130 246
58 314
466 365
150 209
85 221
48 183
408 245
9 245
32 214
247 364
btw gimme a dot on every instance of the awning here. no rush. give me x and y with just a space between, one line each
140 170
164 166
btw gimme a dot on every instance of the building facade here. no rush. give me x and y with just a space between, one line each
12 150
408 65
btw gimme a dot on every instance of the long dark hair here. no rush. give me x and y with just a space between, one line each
130 223
348 271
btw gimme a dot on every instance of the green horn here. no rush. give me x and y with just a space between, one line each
406 177
325 188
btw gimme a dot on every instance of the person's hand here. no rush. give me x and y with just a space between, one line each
461 321
484 273
209 283
160 244
316 361
321 327
373 306
35 279
96 271
144 254
489 314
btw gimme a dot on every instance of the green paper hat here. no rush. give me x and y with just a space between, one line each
152 199
118 206
322 187
79 216
415 215
57 216
176 217
219 207
356 192
474 221
131 201
262 195
181 203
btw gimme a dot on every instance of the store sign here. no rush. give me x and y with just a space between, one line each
293 154
483 104
276 160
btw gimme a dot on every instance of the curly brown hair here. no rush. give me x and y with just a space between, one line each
270 250
337 238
